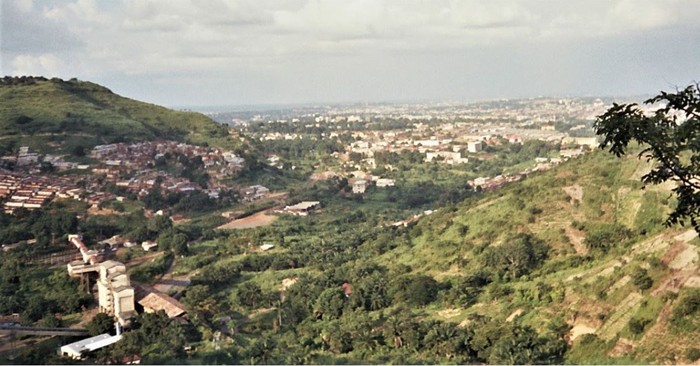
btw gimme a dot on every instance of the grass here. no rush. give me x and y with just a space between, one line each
82 113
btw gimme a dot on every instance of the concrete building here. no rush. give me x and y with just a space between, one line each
447 157
116 295
359 186
475 146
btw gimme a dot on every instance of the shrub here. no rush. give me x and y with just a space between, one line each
687 305
637 326
641 279
692 354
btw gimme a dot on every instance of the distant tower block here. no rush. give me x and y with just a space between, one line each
116 296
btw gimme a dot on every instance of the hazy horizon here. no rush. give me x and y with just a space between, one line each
243 53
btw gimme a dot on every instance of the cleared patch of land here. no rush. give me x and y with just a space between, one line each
575 192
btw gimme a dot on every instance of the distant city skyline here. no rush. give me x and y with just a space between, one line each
226 53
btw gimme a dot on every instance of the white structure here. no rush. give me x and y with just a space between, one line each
302 208
116 296
78 349
447 157
148 245
385 182
359 186
475 146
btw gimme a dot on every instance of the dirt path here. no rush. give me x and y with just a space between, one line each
256 220
576 238
168 282
579 330
139 260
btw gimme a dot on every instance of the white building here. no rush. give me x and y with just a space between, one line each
448 157
359 186
77 350
385 182
475 146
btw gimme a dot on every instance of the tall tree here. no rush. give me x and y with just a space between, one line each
671 139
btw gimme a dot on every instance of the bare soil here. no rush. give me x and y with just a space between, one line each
575 192
576 238
256 220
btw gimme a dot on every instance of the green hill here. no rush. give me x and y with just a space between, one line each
55 113
582 244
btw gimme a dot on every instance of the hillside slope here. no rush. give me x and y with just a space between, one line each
42 112
609 266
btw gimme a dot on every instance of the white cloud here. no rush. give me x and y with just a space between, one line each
44 65
188 39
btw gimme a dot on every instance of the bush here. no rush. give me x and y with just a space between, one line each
687 305
518 256
607 236
413 289
692 354
637 326
641 279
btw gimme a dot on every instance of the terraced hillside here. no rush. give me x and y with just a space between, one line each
611 269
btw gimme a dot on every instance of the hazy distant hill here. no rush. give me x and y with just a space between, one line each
42 112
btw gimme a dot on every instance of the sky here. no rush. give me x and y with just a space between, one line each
239 52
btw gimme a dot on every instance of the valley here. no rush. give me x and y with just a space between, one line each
469 233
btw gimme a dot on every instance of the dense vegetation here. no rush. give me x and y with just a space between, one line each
427 271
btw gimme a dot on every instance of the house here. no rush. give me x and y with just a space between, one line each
359 186
385 182
515 139
475 146
113 242
302 208
153 301
148 245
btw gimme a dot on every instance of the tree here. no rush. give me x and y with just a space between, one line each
330 303
641 279
100 324
418 290
179 244
518 256
670 138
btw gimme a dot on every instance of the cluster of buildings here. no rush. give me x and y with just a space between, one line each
361 181
32 192
254 193
129 166
525 112
140 157
145 180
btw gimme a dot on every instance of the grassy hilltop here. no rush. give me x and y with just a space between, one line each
55 113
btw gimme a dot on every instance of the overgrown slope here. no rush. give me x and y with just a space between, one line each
611 267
